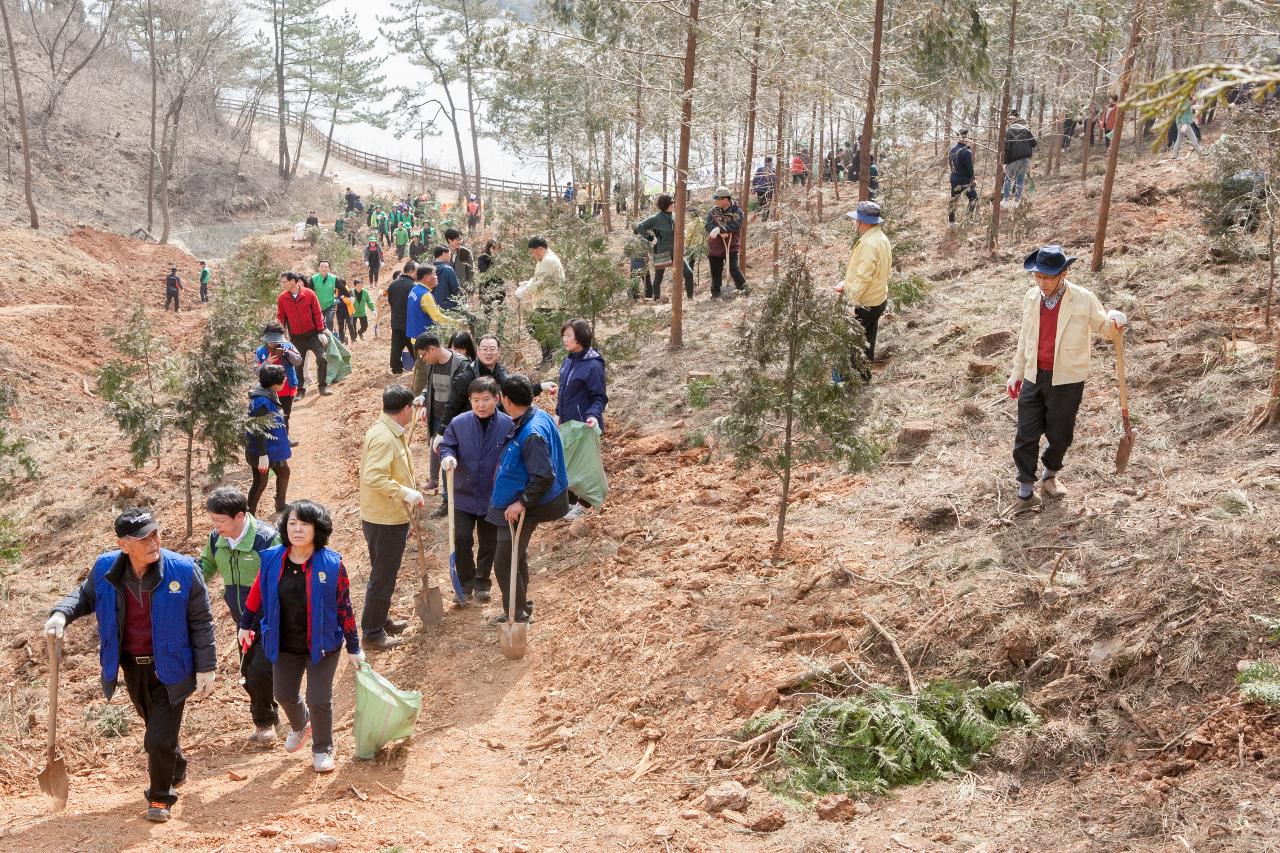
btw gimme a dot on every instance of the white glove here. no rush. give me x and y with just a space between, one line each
550 388
839 288
1117 317
436 442
593 423
324 339
56 625
358 658
715 232
411 496
204 685
418 400
264 462
448 463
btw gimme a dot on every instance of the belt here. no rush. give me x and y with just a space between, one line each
141 659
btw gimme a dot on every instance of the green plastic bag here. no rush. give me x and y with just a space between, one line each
383 712
338 358
582 460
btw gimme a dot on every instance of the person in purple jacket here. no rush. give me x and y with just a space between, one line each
581 393
471 448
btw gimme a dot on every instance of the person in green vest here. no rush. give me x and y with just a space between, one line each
384 235
401 237
324 284
234 551
361 307
407 219
205 275
373 217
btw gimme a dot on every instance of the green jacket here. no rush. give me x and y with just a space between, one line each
324 286
361 302
663 226
238 566
205 275
401 235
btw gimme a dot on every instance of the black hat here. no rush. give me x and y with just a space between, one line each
136 523
1048 260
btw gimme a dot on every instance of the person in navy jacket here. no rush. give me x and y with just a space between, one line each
267 447
581 393
471 447
302 601
530 482
155 625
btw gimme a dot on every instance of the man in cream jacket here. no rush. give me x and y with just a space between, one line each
1050 367
388 493
538 294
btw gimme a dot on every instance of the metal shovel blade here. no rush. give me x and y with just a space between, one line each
1125 447
426 601
53 778
513 639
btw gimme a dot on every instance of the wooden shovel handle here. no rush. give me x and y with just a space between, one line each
1124 390
55 652
516 530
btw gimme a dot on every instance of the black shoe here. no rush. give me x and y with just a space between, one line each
482 595
293 443
499 620
382 643
302 392
158 813
441 511
395 627
325 392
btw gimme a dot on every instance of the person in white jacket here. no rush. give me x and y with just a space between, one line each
1050 367
538 294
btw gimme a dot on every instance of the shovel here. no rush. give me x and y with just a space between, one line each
427 602
513 636
459 594
1126 440
53 778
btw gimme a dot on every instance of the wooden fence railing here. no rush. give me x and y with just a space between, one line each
387 165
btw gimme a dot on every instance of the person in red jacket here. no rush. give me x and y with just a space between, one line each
298 310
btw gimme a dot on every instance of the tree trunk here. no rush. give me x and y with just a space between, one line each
635 170
682 177
778 183
152 153
790 393
471 102
1113 154
753 92
1271 265
608 178
665 131
868 121
1089 123
328 142
302 130
993 237
169 150
278 33
816 157
191 441
22 118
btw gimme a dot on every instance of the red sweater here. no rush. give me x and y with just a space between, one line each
300 315
1048 335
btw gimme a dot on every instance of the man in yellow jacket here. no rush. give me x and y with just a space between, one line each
866 281
1050 367
388 493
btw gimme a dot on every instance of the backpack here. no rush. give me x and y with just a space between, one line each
171 281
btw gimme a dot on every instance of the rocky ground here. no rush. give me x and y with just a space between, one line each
665 622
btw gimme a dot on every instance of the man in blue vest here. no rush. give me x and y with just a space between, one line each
154 623
531 482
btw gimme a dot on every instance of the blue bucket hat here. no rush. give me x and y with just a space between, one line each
867 211
1048 260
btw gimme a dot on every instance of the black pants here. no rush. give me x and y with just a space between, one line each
502 563
400 250
969 191
166 765
204 292
1048 410
657 282
310 343
399 343
256 671
286 408
374 269
801 178
717 272
364 327
765 203
474 569
171 298
548 345
386 549
287 675
870 320
260 482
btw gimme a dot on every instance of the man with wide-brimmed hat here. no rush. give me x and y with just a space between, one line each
1050 367
866 280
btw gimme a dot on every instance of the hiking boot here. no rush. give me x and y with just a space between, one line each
263 735
325 392
322 761
382 643
1026 504
158 812
441 511
295 740
575 511
1050 488
501 619
482 596
395 627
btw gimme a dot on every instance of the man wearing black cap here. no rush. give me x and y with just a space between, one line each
172 287
154 623
960 158
1050 367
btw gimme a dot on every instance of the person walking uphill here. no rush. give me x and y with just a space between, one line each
471 446
537 295
267 448
298 310
388 493
660 228
276 350
373 258
1019 143
155 626
1050 367
530 483
398 300
302 601
960 159
582 396
234 551
434 371
866 280
724 222
325 284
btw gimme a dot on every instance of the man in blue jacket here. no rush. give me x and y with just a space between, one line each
960 158
531 483
154 624
470 449
447 287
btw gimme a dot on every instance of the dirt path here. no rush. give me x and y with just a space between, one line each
266 142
